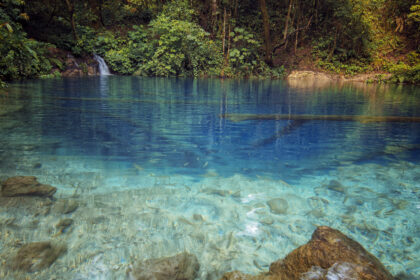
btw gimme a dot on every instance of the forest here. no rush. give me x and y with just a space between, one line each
212 38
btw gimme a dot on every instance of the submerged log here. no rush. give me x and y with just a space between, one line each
355 118
289 128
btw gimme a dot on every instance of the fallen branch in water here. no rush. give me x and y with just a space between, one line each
356 118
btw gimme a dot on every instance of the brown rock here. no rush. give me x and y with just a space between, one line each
326 248
36 256
72 73
183 266
328 255
26 186
92 70
63 225
236 275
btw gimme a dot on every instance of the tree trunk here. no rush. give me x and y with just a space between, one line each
214 13
330 55
101 17
266 22
70 7
286 27
52 15
224 32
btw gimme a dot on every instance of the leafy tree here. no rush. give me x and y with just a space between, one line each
20 57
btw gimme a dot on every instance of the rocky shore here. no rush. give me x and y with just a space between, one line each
314 79
328 255
71 66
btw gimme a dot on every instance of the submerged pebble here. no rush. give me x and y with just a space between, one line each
278 206
63 225
336 186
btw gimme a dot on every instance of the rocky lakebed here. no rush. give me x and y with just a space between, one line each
44 237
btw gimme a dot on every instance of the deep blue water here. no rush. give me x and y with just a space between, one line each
174 125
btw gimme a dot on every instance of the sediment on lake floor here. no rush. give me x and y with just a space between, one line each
95 238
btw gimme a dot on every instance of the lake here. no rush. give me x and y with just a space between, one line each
160 165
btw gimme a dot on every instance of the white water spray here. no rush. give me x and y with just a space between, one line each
103 68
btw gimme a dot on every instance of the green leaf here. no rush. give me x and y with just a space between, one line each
9 28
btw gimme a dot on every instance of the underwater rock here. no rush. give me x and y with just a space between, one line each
339 271
267 221
328 255
336 186
237 275
36 256
63 225
26 186
327 248
64 206
183 266
198 217
222 193
278 205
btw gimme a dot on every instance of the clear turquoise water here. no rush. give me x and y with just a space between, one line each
152 153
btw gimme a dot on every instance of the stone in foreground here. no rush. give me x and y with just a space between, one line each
36 256
26 186
328 255
183 266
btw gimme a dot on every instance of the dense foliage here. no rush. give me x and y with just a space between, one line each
20 57
229 38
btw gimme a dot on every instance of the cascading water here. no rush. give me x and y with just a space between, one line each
103 68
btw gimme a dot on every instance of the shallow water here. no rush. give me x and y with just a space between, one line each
157 171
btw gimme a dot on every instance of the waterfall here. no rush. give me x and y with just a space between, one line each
103 68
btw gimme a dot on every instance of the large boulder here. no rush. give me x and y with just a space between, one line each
328 255
26 186
183 266
328 248
36 256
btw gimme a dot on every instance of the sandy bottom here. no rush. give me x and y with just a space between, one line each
132 214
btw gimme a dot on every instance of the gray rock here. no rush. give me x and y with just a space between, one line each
278 205
26 186
183 266
36 256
